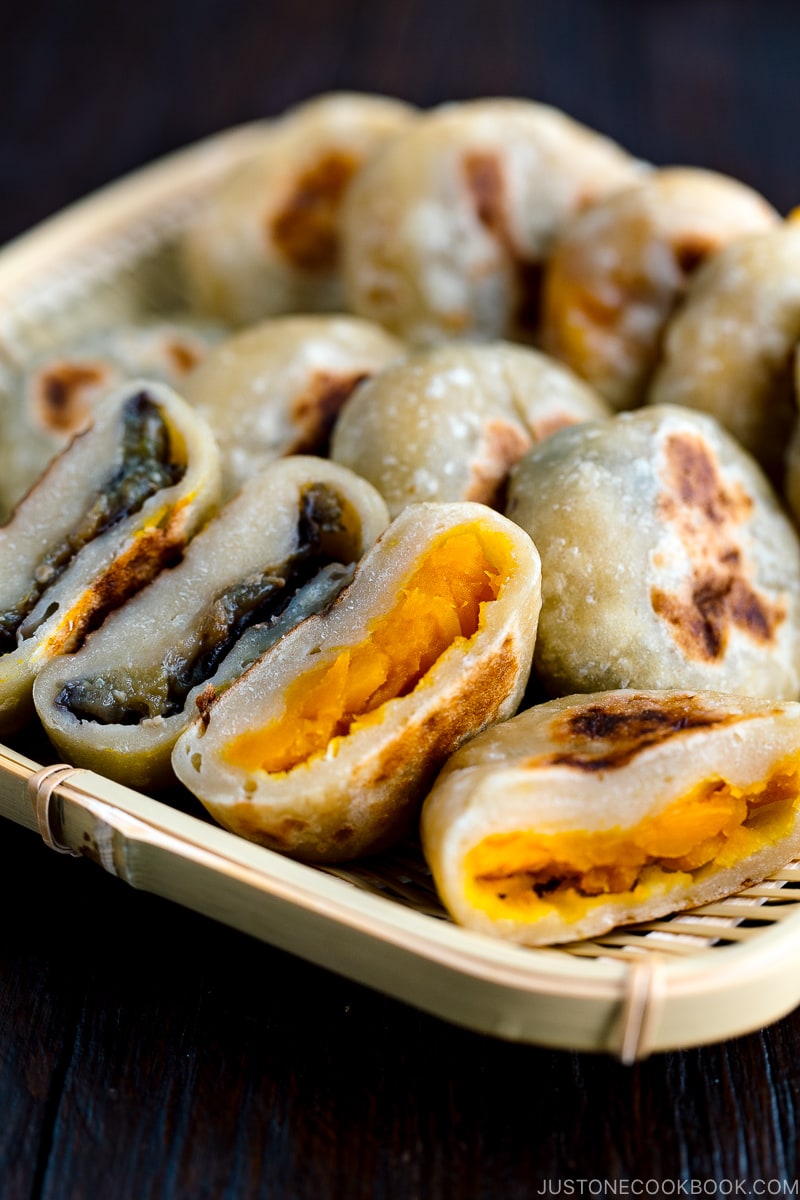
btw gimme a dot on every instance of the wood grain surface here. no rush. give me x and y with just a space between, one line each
147 1052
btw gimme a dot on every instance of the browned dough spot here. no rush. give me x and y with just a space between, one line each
60 394
183 356
692 250
718 595
502 446
306 229
611 733
314 412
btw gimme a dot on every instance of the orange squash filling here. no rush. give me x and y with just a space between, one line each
522 875
582 313
440 606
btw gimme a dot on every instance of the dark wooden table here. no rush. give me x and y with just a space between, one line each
146 1051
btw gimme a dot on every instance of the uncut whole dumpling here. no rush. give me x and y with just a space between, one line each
620 268
448 422
729 350
267 240
276 388
668 561
445 230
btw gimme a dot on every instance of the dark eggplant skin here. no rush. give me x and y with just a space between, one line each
256 602
118 505
280 550
145 465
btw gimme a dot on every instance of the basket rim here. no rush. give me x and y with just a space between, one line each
523 966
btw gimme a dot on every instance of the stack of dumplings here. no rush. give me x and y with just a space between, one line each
460 500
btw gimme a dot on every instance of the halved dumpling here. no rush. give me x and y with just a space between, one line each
279 551
116 506
596 810
326 746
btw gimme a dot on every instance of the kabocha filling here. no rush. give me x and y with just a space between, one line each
258 600
583 312
439 605
146 464
523 875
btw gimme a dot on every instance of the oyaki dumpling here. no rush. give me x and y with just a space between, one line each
730 350
596 810
282 549
326 746
619 268
267 240
43 405
445 230
448 422
277 387
667 559
114 508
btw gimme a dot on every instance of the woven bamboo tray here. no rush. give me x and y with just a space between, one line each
702 976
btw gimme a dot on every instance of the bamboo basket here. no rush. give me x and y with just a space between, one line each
701 976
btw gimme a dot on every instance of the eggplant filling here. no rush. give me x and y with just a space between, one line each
252 606
146 465
524 875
